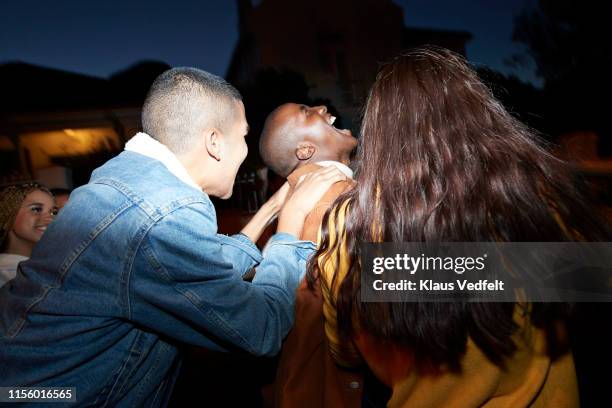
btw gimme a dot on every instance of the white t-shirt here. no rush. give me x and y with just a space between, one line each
8 266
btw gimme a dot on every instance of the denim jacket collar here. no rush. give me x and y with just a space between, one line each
144 144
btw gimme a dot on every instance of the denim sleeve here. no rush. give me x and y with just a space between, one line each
184 286
241 251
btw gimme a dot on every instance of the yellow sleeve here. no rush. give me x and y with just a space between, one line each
332 263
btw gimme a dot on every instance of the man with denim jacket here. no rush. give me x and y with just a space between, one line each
133 266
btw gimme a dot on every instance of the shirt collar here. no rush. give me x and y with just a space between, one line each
144 144
10 258
341 166
294 177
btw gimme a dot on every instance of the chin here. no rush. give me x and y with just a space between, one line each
227 196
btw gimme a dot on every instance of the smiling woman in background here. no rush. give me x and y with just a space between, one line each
25 212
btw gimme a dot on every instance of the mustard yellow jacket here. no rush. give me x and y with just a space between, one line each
530 378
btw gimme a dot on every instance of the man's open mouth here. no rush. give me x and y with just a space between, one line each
331 120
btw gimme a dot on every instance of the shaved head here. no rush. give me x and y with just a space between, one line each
295 134
278 142
183 102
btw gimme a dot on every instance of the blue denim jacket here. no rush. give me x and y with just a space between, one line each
130 268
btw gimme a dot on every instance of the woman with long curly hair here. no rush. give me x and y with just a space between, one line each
25 212
441 160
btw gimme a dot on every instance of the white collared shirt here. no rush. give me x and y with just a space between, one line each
341 166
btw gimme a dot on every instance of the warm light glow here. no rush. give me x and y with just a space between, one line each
67 142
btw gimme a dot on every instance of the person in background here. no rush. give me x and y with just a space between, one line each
25 212
61 196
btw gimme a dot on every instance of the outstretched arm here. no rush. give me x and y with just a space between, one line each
293 209
266 214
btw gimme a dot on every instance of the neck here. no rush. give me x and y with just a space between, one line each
343 158
18 246
324 163
193 167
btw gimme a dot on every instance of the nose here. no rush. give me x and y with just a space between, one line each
322 109
48 217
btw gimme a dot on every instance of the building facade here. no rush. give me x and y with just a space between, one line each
337 45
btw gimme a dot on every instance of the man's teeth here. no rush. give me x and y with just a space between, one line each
332 119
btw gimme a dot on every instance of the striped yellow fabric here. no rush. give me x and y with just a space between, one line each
334 263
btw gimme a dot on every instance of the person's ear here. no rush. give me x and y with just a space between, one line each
212 142
305 150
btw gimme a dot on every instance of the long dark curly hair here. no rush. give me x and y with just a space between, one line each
441 160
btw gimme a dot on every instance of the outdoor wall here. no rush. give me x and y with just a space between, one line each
38 148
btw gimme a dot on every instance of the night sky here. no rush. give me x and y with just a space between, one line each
105 37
